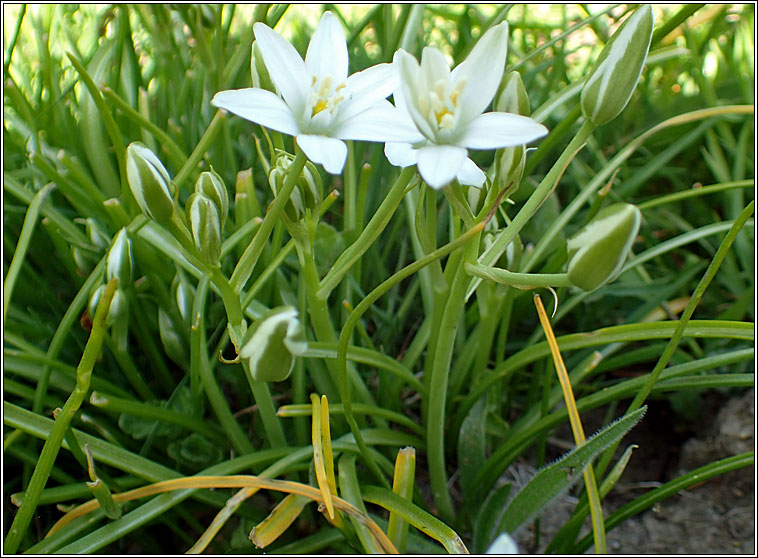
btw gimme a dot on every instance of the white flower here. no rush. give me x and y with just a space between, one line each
317 102
446 107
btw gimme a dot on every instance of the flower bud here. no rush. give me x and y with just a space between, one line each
261 77
150 183
617 70
510 161
210 184
206 227
117 309
307 192
119 261
597 252
273 343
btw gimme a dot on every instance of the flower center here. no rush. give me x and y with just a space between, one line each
324 96
440 105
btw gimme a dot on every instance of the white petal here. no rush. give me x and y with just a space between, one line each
400 154
380 122
329 152
470 174
410 78
434 67
327 51
499 129
482 69
439 164
259 106
284 65
372 84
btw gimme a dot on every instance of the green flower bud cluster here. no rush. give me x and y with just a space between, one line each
272 343
307 193
617 70
150 183
596 253
207 210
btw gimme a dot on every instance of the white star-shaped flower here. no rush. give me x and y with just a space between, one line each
447 109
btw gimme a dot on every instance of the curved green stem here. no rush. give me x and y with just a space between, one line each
524 280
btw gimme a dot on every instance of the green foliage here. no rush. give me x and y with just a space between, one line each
419 329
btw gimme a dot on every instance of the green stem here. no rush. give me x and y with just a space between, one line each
271 423
526 280
199 359
369 234
249 258
62 422
438 381
356 314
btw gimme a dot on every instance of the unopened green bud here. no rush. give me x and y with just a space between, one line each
617 70
150 183
206 226
307 192
261 77
119 261
510 161
597 252
272 344
210 184
512 97
117 309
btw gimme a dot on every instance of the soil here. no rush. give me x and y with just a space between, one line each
716 517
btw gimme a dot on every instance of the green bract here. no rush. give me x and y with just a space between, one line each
615 74
206 226
210 184
273 343
597 252
150 183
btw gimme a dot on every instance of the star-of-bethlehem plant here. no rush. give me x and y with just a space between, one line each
439 115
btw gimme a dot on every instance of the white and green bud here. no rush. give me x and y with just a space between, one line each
205 224
258 70
308 190
510 161
617 70
150 183
272 344
596 253
210 184
119 261
117 309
